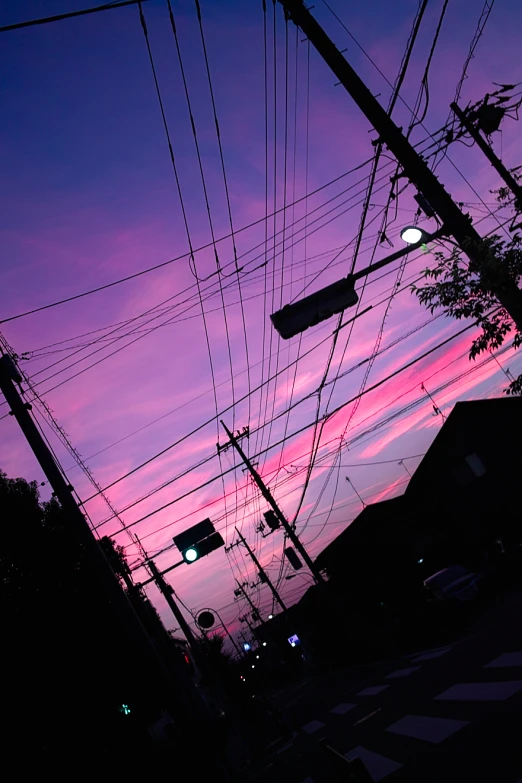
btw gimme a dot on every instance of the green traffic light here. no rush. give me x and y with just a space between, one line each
125 709
191 554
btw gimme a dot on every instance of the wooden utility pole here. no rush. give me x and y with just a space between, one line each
495 161
242 590
414 166
263 576
167 592
109 586
290 532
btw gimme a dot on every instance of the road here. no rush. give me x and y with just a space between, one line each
448 714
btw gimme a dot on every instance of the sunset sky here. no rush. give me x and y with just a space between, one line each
89 196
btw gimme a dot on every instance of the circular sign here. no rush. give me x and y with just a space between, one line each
206 619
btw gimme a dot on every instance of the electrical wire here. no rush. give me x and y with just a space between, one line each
197 429
340 407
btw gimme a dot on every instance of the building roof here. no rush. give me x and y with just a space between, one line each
382 522
376 520
465 416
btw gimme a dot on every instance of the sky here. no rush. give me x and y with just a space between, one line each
89 195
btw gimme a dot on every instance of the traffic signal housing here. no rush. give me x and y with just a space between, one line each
293 558
198 541
201 548
271 519
331 300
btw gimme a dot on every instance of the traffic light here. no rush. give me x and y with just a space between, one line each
299 316
271 519
202 548
198 541
293 558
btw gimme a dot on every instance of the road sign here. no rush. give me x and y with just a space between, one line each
205 619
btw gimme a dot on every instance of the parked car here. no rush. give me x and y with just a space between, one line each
455 583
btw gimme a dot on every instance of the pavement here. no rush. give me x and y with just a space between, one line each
441 715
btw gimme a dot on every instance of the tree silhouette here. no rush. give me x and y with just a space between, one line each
465 289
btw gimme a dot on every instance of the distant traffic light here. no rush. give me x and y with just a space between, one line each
198 541
202 548
293 558
271 519
299 316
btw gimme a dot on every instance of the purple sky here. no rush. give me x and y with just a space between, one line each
88 196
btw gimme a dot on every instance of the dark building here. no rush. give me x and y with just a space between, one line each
462 503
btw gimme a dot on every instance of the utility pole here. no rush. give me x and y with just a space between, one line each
110 587
290 532
167 592
495 161
245 619
413 165
241 589
262 573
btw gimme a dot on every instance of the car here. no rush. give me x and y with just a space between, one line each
455 583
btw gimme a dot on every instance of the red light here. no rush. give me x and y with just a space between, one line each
187 659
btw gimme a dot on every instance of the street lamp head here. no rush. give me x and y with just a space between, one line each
270 616
412 234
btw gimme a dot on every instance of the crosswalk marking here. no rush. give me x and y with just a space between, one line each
481 691
342 708
313 726
378 766
402 672
428 656
506 659
373 690
426 728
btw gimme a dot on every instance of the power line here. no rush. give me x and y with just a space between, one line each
197 429
371 182
384 423
376 385
163 264
405 409
70 15
227 193
477 35
155 307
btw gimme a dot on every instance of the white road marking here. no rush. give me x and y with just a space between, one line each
430 655
402 673
507 659
378 766
373 690
366 717
313 726
426 728
481 691
342 708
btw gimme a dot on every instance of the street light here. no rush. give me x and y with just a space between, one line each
412 235
270 616
298 316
